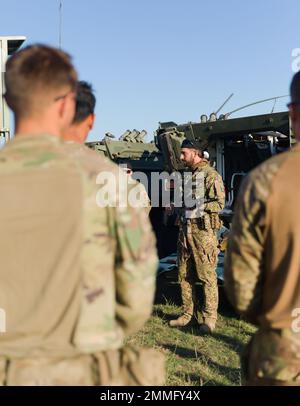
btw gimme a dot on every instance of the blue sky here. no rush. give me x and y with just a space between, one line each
164 60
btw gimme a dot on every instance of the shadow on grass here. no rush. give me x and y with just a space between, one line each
232 342
232 374
196 380
166 317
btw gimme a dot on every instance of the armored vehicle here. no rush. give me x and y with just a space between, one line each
235 146
145 157
130 147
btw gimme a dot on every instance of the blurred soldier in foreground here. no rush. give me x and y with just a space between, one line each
262 272
198 244
119 265
75 278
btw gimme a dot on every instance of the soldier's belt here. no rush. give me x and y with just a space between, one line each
209 221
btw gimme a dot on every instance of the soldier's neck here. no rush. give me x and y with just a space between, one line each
37 127
74 134
199 164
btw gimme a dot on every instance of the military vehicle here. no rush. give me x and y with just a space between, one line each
235 147
147 158
131 147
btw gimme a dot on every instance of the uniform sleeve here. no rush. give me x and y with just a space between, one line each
244 256
136 266
119 261
215 194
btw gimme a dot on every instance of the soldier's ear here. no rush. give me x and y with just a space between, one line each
61 105
91 122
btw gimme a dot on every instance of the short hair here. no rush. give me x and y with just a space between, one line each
34 74
85 102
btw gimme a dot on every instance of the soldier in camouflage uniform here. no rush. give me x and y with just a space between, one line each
262 268
76 278
197 243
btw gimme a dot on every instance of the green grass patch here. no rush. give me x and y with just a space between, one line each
194 360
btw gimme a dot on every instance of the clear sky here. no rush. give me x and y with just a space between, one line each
167 60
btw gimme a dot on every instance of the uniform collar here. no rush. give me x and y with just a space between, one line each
200 165
43 137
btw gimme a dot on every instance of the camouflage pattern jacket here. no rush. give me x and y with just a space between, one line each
262 267
208 185
119 260
75 277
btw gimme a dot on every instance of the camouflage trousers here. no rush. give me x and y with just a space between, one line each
125 367
272 358
197 261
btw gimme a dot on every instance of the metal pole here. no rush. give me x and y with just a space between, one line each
8 45
4 113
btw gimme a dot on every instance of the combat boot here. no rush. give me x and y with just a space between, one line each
182 321
207 327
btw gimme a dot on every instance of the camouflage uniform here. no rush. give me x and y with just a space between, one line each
198 250
262 269
72 322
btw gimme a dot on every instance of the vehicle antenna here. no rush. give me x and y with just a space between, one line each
252 104
220 108
275 101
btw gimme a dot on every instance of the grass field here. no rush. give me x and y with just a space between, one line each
192 359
